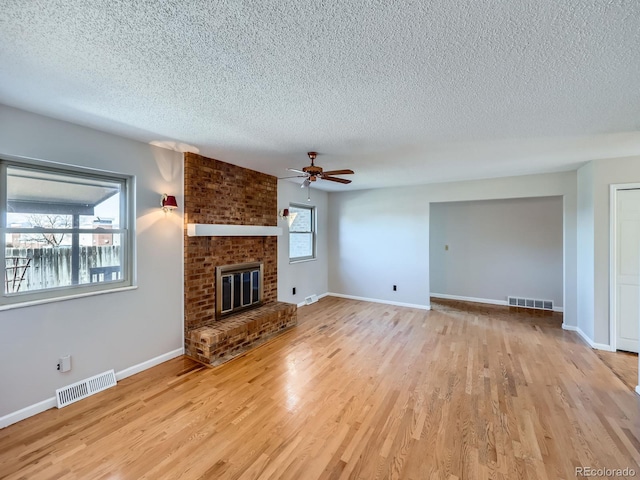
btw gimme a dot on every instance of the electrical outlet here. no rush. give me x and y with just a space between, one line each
64 363
294 290
395 288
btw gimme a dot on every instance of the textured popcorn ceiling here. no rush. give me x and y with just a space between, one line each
402 92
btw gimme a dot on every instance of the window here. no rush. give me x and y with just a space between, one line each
62 231
302 233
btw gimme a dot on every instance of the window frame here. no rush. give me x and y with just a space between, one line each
126 229
313 232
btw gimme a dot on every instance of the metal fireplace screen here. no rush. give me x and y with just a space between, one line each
238 287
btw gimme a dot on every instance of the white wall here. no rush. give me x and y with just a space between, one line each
381 237
497 248
309 277
113 330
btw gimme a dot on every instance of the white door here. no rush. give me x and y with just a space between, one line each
627 269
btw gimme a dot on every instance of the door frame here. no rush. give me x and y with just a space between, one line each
614 188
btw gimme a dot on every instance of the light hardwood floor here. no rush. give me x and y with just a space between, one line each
623 364
357 390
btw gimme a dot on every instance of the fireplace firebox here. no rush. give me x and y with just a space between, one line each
238 287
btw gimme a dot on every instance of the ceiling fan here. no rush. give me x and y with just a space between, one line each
312 173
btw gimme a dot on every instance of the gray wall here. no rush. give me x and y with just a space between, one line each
378 238
594 218
309 277
116 330
497 248
585 267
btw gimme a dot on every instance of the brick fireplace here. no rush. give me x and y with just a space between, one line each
220 193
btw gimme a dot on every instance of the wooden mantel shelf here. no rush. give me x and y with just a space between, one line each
215 230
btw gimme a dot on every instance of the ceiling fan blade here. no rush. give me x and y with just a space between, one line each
335 179
294 176
305 183
297 171
337 172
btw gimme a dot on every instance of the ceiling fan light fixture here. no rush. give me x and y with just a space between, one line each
312 173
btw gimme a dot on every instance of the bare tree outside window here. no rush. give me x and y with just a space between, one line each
41 220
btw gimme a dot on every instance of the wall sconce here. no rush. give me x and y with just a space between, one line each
168 203
285 214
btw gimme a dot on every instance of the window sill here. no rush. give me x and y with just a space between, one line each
291 262
63 298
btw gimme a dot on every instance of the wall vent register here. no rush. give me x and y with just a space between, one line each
530 303
85 388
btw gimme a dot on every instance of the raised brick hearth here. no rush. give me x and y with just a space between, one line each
226 339
220 193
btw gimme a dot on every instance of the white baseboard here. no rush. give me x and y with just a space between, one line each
127 372
304 304
27 412
376 300
488 301
603 346
40 407
469 299
570 328
591 343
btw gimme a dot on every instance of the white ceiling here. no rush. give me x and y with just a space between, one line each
401 92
